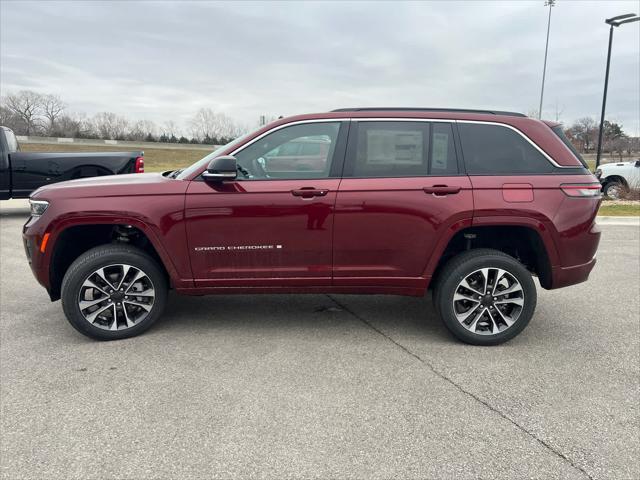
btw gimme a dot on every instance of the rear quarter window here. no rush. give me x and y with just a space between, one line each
498 150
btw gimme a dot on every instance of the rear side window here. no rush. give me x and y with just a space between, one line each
498 150
401 149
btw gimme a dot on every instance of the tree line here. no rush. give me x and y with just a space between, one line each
583 134
31 113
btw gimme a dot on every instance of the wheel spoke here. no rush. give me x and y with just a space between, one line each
138 304
461 296
464 283
90 284
508 320
149 292
103 276
125 270
84 304
474 324
114 324
93 315
512 289
510 301
485 274
500 273
494 324
462 317
130 323
138 276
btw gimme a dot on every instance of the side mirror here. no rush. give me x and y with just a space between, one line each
637 163
221 168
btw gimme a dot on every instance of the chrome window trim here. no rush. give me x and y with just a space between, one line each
284 125
395 119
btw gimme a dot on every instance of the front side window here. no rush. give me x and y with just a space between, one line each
498 150
302 151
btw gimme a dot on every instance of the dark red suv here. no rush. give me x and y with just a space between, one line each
365 201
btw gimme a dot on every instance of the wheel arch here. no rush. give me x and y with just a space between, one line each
73 237
528 242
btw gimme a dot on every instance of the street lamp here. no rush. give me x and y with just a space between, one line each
613 22
549 3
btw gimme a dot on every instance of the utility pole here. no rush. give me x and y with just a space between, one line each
550 4
612 22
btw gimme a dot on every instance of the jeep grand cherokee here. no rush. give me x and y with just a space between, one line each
395 201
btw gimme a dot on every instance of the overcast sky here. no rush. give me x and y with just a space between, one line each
165 60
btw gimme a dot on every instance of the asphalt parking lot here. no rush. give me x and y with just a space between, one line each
323 386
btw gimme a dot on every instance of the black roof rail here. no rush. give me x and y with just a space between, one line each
411 109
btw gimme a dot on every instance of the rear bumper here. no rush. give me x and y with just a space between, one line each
565 276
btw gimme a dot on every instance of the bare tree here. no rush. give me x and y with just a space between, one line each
207 125
110 126
142 130
28 106
585 130
52 108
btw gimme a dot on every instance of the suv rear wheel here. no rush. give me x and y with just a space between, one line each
485 297
113 291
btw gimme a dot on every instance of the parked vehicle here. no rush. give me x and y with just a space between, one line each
470 203
618 178
23 172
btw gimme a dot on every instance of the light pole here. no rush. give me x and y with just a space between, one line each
549 3
612 22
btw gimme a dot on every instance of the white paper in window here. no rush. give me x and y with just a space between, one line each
388 147
440 151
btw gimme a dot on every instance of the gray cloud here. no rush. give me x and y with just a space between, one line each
165 60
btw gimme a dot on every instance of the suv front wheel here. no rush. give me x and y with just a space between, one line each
485 297
113 291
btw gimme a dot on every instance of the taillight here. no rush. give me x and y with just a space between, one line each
139 165
581 189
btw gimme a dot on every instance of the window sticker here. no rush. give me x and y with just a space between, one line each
387 147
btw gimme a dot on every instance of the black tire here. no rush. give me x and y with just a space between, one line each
614 190
101 257
464 264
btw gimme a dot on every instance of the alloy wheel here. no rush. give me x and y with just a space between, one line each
116 297
488 301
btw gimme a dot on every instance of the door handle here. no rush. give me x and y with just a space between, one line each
309 192
441 190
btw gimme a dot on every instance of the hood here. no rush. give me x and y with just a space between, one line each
606 166
134 184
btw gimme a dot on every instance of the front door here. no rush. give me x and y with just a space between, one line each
273 225
402 189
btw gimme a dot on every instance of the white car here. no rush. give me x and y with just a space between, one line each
619 178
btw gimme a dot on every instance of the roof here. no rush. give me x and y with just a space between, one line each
413 109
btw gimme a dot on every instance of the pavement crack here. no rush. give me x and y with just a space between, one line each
460 388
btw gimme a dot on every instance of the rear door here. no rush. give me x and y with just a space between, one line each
402 189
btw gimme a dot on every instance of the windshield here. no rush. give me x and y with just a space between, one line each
205 161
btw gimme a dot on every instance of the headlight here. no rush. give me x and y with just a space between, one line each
38 207
598 173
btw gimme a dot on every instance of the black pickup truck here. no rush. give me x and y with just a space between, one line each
23 172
